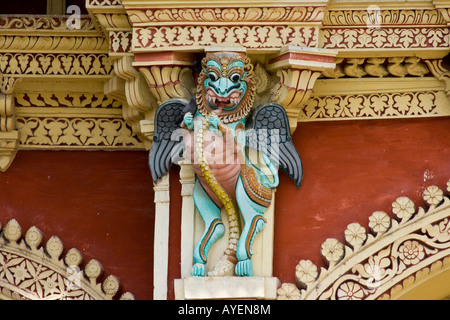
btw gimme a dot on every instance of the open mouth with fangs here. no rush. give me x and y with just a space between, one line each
228 102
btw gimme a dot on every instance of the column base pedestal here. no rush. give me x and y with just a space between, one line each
206 288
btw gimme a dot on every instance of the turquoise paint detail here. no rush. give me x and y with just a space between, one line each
264 180
221 82
236 63
249 211
213 231
214 64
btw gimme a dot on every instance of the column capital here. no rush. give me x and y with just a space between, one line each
298 69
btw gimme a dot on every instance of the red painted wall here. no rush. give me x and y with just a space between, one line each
351 169
100 203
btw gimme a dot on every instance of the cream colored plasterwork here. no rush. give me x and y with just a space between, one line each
241 15
51 65
9 136
391 261
75 132
65 99
138 102
32 270
196 38
46 34
380 88
161 239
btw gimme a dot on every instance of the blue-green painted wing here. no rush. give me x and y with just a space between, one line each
168 146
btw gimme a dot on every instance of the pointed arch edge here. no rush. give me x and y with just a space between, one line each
32 270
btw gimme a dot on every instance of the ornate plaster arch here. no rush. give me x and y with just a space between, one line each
405 257
30 270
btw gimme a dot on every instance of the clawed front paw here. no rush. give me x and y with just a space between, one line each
188 120
199 270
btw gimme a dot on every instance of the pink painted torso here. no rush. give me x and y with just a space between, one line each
221 156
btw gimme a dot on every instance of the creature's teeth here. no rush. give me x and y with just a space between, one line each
213 99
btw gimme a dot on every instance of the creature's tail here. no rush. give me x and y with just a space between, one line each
263 179
226 264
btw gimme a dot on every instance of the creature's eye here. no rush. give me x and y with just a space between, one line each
213 76
235 77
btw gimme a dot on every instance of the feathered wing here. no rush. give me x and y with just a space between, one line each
168 145
268 131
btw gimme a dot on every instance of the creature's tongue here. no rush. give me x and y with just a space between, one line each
223 100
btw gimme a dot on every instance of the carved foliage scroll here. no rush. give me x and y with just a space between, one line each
228 15
55 64
382 105
74 133
255 37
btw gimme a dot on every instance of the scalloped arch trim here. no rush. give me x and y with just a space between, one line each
31 271
405 257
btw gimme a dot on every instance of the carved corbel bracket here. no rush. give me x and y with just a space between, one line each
297 70
9 144
437 69
9 136
130 87
168 75
168 82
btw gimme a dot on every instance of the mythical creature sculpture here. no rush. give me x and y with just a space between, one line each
236 151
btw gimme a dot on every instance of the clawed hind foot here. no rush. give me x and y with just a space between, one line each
199 270
244 268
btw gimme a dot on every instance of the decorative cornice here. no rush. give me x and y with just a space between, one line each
104 3
384 18
196 38
45 25
376 106
378 67
49 34
241 15
354 94
74 128
56 65
382 264
383 4
60 44
164 41
133 4
66 99
417 38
